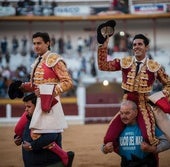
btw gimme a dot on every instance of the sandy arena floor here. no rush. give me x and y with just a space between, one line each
84 140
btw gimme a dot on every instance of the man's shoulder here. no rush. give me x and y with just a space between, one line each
126 61
153 65
52 59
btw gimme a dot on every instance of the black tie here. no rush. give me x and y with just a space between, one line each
137 67
39 59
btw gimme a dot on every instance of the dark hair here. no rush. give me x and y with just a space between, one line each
44 35
141 36
31 97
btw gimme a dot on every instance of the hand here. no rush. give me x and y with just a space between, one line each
27 146
108 148
18 140
166 93
105 44
37 92
147 147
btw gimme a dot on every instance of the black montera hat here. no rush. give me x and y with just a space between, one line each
105 30
14 91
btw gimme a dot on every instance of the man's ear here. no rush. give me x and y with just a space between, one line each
48 44
147 47
136 112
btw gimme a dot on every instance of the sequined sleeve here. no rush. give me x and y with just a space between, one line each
164 79
103 64
65 81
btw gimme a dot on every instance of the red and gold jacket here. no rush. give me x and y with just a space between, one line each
143 82
50 70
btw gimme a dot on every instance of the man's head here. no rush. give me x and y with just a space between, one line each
30 102
128 112
41 42
140 46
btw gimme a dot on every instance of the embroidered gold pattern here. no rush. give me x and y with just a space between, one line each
52 59
126 62
148 119
153 66
62 76
138 83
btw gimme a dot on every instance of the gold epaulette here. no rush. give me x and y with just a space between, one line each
126 62
153 66
52 59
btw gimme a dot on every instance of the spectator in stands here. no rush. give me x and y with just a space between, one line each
54 4
4 50
83 64
0 57
28 3
93 66
21 73
32 55
132 148
24 46
6 72
7 58
69 45
15 45
5 3
19 7
53 43
114 4
2 87
1 68
4 45
25 7
61 45
120 5
80 45
20 4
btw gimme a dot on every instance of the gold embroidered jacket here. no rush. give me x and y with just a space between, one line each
143 82
50 70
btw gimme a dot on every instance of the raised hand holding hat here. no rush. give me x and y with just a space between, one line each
105 30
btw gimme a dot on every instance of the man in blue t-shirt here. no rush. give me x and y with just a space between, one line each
132 149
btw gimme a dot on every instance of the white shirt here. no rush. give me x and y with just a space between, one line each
142 63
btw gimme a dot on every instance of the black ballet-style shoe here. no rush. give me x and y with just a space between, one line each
70 158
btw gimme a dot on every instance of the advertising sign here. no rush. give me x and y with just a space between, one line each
72 10
148 8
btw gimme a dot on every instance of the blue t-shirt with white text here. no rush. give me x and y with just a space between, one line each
130 140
